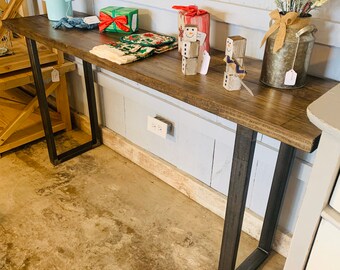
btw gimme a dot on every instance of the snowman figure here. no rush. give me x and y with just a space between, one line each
190 33
235 51
236 48
190 50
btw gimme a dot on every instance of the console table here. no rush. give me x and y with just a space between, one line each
280 114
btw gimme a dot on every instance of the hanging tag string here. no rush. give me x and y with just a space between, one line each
308 28
296 51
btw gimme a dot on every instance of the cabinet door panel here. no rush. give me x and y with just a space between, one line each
335 200
326 249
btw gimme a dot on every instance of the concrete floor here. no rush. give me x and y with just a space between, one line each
100 211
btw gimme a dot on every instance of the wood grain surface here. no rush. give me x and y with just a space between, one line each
20 60
280 114
13 103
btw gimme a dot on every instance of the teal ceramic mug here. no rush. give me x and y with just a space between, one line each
57 9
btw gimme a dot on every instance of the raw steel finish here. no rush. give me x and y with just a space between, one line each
245 142
280 180
44 112
276 65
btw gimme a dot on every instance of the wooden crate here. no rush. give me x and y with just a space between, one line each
20 60
25 76
13 103
10 10
20 120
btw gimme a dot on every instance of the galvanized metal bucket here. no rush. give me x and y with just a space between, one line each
295 54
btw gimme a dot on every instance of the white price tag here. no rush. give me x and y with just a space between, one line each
290 78
91 20
204 62
55 75
201 37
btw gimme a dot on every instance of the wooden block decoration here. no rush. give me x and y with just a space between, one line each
190 49
189 65
239 61
236 47
233 67
190 33
231 81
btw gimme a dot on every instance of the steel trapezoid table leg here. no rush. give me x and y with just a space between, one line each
96 139
280 180
43 105
244 149
91 100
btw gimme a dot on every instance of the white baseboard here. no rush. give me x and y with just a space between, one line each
183 182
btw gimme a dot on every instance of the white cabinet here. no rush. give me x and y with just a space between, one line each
335 200
326 251
316 240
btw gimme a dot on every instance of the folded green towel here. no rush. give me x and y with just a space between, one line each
134 47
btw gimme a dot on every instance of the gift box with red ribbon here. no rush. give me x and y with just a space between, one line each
118 19
192 15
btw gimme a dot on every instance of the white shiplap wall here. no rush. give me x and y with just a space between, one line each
248 18
203 143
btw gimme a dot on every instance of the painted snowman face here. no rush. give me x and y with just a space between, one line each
190 33
229 47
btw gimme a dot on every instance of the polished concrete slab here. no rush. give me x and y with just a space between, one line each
100 211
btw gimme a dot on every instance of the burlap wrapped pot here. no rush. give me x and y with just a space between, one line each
284 51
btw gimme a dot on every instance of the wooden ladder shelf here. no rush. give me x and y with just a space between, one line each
20 120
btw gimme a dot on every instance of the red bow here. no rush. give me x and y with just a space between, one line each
106 20
191 10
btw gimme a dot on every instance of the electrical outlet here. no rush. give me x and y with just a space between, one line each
159 126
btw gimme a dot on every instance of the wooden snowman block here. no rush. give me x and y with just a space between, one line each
236 48
233 67
231 81
189 65
239 61
190 33
190 49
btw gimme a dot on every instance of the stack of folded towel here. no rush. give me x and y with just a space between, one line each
135 47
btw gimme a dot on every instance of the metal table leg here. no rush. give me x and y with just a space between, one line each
43 105
91 100
239 181
46 120
281 175
245 142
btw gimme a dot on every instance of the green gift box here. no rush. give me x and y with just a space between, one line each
118 19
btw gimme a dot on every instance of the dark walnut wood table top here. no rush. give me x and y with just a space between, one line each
280 114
